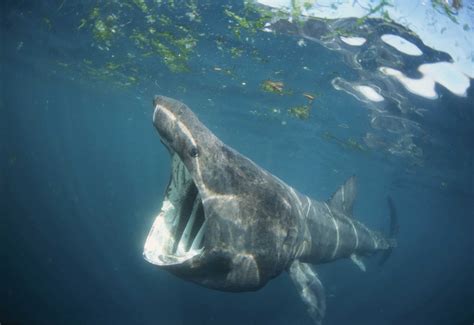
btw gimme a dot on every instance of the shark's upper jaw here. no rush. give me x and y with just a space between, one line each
178 231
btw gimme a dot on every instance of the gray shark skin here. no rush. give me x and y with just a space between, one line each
228 224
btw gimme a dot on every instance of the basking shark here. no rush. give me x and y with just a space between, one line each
228 224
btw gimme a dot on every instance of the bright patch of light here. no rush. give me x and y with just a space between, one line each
422 87
353 41
448 75
369 93
401 44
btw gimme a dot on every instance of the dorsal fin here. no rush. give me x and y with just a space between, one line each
343 199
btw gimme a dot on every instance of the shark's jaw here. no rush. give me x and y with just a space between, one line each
177 234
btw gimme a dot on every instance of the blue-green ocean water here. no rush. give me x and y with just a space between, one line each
82 170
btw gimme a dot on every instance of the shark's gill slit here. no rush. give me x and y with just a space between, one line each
184 215
178 231
192 222
197 230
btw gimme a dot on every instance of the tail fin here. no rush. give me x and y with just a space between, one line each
393 231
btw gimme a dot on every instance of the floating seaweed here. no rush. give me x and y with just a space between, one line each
309 97
301 112
126 37
271 86
350 143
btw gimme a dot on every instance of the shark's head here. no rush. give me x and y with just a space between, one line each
224 222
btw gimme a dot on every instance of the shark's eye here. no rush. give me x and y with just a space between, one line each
194 152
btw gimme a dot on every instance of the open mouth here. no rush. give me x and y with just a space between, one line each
178 231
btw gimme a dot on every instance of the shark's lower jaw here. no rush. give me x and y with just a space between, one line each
178 231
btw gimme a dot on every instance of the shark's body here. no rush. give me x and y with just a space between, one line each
229 225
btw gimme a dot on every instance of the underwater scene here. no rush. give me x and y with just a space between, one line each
237 162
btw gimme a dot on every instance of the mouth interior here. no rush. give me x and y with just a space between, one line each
178 231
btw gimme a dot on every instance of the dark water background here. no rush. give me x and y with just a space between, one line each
82 174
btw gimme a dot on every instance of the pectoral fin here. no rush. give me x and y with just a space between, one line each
310 289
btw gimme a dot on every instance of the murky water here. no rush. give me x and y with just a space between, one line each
313 99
